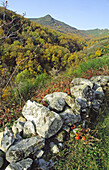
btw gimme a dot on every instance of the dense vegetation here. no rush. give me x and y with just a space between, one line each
35 47
29 54
52 23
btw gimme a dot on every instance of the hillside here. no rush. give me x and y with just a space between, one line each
97 32
32 48
52 23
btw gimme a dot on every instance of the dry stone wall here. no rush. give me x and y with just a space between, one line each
26 144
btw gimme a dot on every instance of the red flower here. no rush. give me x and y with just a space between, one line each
77 137
83 138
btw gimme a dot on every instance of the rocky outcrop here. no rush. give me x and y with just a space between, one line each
43 130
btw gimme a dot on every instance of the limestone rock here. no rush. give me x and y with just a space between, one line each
7 140
18 125
47 122
81 81
69 116
24 164
24 148
28 129
49 97
101 80
81 88
83 104
54 148
71 102
57 104
44 165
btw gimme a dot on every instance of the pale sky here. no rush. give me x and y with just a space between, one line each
81 14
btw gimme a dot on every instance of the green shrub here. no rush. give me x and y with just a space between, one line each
22 76
25 86
96 63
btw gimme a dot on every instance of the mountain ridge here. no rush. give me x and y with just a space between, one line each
62 27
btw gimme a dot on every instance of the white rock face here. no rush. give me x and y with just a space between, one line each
47 122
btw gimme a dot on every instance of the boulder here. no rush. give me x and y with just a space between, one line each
100 80
68 116
72 103
49 97
57 104
28 129
81 81
24 164
83 104
24 148
47 122
81 88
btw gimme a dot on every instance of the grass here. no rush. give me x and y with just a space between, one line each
95 63
91 153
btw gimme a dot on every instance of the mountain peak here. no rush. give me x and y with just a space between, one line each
48 15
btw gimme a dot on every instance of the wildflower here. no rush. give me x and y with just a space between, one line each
83 138
77 137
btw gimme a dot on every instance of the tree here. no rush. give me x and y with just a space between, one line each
10 24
